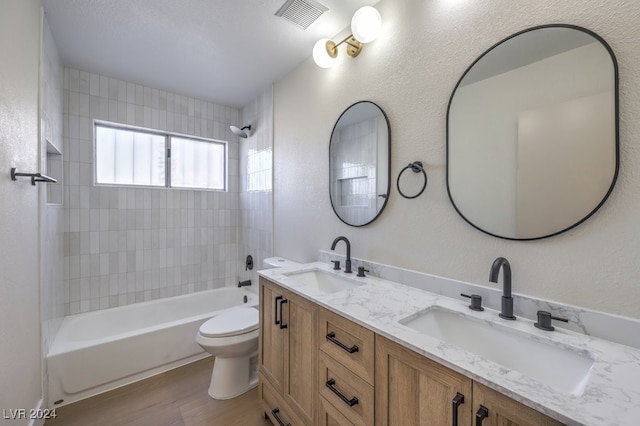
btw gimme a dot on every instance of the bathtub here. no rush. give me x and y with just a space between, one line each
98 351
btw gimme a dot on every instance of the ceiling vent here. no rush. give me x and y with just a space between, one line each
301 12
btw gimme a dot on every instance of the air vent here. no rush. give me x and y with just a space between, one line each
301 12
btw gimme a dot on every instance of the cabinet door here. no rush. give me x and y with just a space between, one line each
301 351
272 337
504 411
413 390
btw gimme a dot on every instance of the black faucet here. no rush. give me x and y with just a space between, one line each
244 283
507 300
347 266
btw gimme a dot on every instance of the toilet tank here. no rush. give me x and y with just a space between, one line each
279 262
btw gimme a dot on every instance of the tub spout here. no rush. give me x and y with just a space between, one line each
244 283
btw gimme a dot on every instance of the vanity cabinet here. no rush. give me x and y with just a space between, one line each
287 354
320 368
412 389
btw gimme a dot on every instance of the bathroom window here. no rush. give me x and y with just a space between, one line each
140 157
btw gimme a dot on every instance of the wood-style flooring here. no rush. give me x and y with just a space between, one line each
177 398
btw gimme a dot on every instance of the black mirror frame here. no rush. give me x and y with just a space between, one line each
386 199
617 126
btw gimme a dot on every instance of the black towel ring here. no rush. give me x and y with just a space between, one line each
416 167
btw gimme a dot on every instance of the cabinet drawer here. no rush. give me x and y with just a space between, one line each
350 344
330 416
348 393
275 407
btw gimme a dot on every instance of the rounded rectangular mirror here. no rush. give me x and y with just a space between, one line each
532 133
359 163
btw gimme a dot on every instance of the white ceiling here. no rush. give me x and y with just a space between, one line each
226 51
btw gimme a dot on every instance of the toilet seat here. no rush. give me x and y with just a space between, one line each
231 323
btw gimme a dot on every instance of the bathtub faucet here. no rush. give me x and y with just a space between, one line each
244 283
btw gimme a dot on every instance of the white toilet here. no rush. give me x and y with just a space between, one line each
232 338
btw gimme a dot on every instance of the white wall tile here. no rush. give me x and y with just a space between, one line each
127 243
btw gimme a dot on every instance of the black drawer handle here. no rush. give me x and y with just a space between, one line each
481 414
455 403
332 338
350 402
275 412
276 317
282 324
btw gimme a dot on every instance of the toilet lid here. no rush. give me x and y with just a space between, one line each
232 322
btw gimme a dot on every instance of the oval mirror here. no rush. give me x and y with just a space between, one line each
359 163
532 133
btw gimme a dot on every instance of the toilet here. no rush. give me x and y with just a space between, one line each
232 338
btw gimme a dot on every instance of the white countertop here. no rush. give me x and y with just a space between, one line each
612 392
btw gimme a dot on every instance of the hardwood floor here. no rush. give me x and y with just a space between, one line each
177 398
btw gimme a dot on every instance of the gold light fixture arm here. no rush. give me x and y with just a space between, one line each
354 47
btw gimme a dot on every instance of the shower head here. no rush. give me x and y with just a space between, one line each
241 132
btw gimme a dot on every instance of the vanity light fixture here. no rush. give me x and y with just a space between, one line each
365 27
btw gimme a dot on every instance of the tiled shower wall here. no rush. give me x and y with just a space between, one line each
128 245
256 184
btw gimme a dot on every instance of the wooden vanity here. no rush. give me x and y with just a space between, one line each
319 368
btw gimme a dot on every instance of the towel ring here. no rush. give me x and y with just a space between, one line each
416 167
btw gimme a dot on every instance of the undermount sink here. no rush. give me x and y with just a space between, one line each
563 369
324 281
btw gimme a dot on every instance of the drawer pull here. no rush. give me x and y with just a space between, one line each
282 324
277 319
275 412
455 403
350 402
332 338
481 414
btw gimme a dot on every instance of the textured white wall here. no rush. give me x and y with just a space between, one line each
20 385
410 72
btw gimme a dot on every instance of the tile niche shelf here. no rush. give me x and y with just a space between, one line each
54 169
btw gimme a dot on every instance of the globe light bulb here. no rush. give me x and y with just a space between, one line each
366 24
321 56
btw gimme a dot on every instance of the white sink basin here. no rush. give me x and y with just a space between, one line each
561 368
324 281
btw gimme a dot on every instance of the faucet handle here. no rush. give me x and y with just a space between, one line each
336 265
361 271
544 321
476 301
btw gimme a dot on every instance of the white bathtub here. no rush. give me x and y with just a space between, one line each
98 351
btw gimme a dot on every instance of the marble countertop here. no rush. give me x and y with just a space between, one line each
611 395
